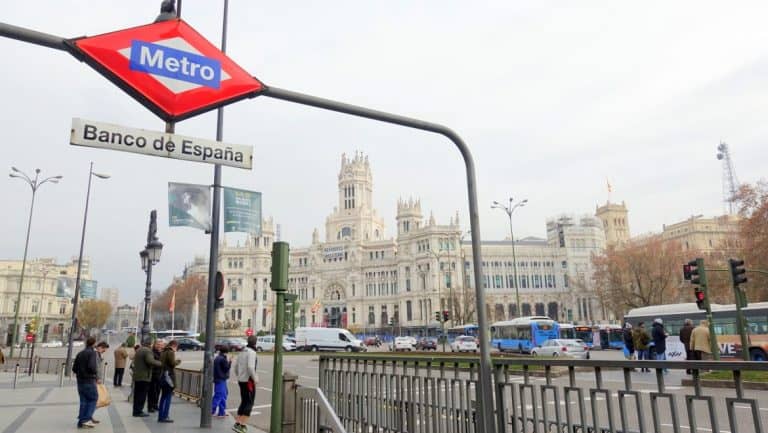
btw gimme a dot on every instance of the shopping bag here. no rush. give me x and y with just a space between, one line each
104 398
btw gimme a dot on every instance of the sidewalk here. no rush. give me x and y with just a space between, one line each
43 406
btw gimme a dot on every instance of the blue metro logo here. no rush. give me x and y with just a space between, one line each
172 63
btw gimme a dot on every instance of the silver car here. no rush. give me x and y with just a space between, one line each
562 347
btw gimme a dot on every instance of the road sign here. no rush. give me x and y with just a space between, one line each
30 338
168 67
115 137
248 332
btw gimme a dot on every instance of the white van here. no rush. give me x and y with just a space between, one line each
314 339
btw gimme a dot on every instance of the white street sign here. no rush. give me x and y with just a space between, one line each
115 137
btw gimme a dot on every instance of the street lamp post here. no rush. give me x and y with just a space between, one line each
34 184
76 298
509 210
150 256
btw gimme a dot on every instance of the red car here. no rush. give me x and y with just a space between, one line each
372 341
426 344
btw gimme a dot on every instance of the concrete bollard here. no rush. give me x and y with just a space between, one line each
104 372
61 374
34 369
289 402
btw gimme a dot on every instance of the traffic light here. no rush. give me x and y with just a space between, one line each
391 321
700 299
737 271
33 326
279 268
437 316
693 272
446 315
26 328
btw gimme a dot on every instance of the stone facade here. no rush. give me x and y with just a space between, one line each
355 277
38 296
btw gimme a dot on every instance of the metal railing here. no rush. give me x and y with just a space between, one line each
189 384
314 413
439 394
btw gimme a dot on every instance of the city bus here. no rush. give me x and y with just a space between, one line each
456 331
567 331
609 336
724 320
523 334
584 333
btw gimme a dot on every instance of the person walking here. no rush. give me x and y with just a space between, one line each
629 343
86 369
700 341
121 356
131 357
221 366
143 362
659 336
167 380
640 340
245 370
685 338
154 384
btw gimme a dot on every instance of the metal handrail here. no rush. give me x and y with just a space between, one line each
323 416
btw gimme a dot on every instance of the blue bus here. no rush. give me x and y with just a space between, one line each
567 331
524 333
457 331
585 333
610 336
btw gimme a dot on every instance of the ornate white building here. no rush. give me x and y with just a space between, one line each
357 278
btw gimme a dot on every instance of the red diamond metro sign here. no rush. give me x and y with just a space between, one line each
168 67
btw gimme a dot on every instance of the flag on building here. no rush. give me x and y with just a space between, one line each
173 301
195 314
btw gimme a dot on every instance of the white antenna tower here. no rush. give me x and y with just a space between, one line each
730 182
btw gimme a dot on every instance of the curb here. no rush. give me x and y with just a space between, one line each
760 386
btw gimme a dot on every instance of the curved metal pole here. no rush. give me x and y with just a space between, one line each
485 420
32 184
76 298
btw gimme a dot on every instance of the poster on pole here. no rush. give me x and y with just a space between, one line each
65 288
189 205
242 211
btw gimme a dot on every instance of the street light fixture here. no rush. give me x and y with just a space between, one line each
150 256
34 184
509 210
76 299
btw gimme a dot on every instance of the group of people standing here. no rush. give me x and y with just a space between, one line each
154 378
644 345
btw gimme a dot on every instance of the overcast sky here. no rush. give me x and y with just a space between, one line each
553 98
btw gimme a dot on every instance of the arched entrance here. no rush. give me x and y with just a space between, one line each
334 307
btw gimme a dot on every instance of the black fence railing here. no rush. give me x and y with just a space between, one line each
438 394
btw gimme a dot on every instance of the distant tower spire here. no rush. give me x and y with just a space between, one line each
730 182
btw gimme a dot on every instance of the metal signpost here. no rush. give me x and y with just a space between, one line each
141 61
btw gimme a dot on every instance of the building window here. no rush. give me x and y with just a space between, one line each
255 294
234 294
371 316
263 317
354 315
408 311
62 308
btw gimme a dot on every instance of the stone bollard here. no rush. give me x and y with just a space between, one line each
15 375
61 374
289 402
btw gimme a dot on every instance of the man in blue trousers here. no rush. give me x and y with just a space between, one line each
221 367
86 368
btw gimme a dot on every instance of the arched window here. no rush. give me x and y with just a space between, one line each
346 232
512 311
552 310
539 308
499 313
526 309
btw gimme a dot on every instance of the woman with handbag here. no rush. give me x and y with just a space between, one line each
167 380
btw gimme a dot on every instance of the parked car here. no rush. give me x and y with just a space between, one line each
267 343
190 344
426 344
233 344
315 339
52 343
373 341
405 343
573 348
464 343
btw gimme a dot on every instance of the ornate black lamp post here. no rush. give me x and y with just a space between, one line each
150 256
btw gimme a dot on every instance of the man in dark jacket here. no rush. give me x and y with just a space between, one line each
628 341
153 400
221 366
86 368
685 338
659 336
143 362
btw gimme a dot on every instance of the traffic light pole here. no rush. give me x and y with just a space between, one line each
705 287
279 285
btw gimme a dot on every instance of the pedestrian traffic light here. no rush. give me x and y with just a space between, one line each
700 299
279 268
26 328
391 321
737 271
687 272
437 316
446 315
